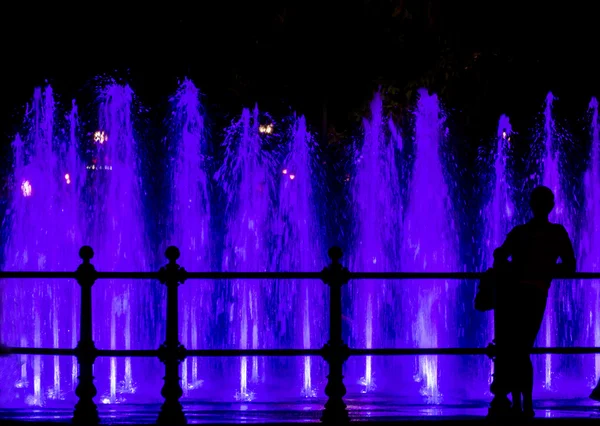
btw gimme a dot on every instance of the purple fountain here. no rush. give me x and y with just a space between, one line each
45 232
77 183
589 256
560 296
498 214
126 315
299 247
191 224
376 198
430 243
500 210
246 178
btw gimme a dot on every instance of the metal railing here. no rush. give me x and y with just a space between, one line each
171 353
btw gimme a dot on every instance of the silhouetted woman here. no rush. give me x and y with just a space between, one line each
525 262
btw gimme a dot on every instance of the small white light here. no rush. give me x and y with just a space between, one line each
26 188
100 137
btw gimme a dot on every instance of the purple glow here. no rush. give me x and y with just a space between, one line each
260 212
500 209
498 214
589 258
45 230
430 244
298 247
560 296
191 226
116 232
247 180
377 212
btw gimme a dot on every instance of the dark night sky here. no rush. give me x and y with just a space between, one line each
299 52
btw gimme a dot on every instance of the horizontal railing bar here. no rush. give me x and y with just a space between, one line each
579 350
253 352
128 275
280 275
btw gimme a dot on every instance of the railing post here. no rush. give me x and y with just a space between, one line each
171 353
335 352
86 412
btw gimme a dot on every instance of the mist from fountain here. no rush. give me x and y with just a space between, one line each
270 223
560 297
377 210
299 247
246 178
500 209
499 212
589 256
191 223
430 245
127 309
43 233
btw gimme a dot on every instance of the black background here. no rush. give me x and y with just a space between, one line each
301 53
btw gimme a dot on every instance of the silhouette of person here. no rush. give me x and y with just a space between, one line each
525 264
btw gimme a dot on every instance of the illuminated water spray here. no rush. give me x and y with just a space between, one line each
376 198
559 295
499 211
46 178
246 179
589 258
299 248
74 179
551 174
430 244
191 222
125 308
498 214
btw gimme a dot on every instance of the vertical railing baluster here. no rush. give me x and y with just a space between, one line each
86 412
172 353
335 352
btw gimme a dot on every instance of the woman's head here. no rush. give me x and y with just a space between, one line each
541 201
